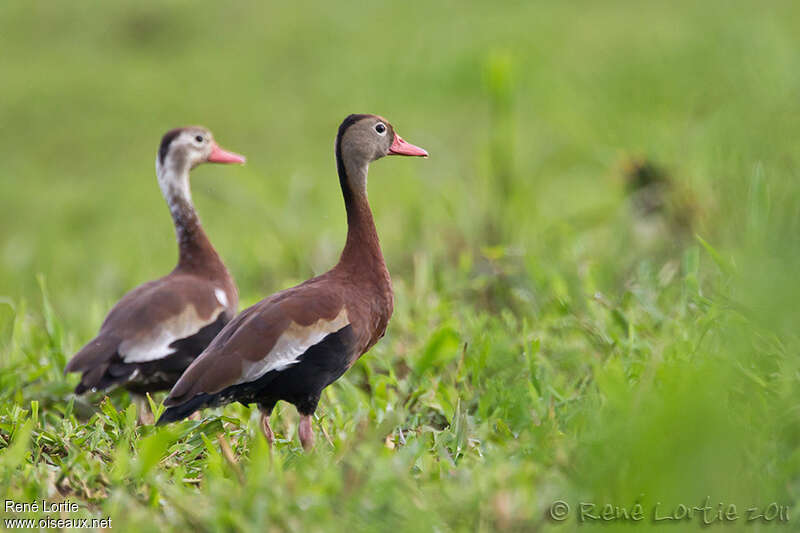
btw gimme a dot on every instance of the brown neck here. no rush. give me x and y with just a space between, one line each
195 252
362 250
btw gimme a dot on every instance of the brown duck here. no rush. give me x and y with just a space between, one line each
295 343
156 330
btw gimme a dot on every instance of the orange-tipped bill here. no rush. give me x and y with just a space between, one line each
218 155
401 147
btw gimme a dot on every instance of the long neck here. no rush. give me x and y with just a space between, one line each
195 251
362 250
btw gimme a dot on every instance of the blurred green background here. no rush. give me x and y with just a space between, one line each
596 269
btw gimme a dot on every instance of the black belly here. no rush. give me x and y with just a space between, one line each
301 383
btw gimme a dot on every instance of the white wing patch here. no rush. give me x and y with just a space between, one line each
154 344
291 345
221 297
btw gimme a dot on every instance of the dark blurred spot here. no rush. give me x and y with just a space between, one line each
147 27
647 185
656 195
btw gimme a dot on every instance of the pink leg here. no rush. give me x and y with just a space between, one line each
305 432
268 434
145 417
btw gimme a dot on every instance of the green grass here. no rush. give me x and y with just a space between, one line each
549 341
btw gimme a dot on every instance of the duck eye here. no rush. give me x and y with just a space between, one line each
380 127
199 138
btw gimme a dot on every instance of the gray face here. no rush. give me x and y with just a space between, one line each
190 147
367 140
181 150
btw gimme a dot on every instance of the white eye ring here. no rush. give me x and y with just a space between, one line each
380 129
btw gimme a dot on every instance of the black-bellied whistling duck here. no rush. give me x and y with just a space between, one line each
298 341
156 330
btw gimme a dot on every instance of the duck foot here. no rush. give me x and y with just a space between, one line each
145 416
268 434
305 432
